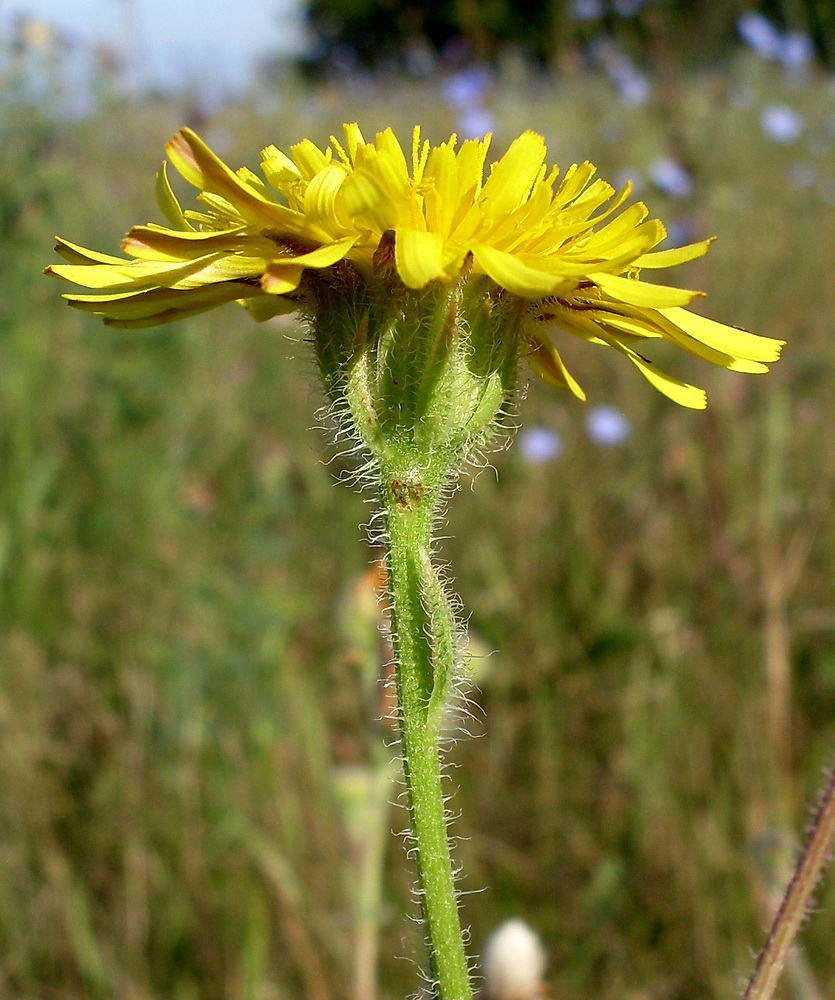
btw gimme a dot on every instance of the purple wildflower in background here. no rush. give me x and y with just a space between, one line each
468 91
781 123
540 445
586 10
468 86
633 88
759 33
669 176
796 50
607 426
627 8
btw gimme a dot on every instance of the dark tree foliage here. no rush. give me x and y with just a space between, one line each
350 34
383 32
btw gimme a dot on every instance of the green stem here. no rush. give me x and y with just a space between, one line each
423 631
797 900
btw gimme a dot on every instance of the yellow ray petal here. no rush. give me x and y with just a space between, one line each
309 159
366 201
471 157
512 177
628 222
76 254
154 307
679 392
606 193
325 255
509 272
642 293
155 243
545 360
264 307
202 168
353 138
386 143
655 325
278 168
167 201
674 256
417 256
279 278
442 198
152 301
256 184
135 274
575 180
123 276
740 343
321 200
184 311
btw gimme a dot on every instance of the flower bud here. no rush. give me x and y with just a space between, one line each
513 963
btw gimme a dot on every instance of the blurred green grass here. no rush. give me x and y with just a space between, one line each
185 633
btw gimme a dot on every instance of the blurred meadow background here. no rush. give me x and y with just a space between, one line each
195 792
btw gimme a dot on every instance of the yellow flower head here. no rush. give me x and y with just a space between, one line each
566 248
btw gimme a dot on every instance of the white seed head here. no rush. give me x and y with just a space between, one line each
513 963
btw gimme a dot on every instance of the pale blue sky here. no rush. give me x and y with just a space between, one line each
173 42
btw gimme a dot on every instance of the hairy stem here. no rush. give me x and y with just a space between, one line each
796 902
423 628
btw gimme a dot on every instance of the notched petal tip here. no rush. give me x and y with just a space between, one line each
179 150
689 396
730 339
675 255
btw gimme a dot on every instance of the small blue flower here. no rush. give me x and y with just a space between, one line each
671 177
627 8
586 10
781 123
540 445
796 50
607 426
469 86
759 33
634 89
